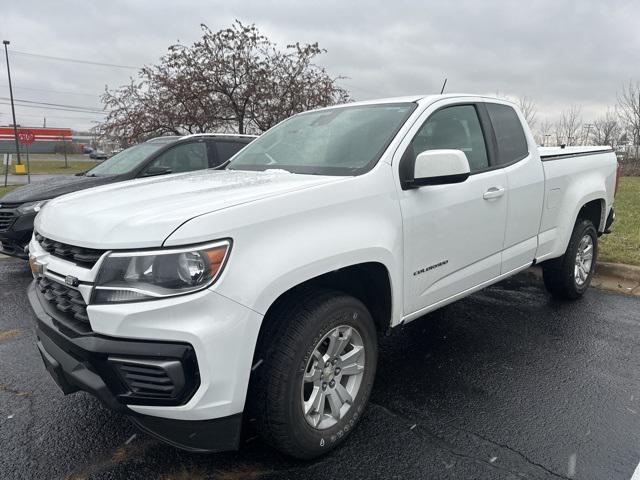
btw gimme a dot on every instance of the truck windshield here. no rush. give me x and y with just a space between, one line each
125 161
337 141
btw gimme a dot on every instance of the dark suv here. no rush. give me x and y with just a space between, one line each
159 156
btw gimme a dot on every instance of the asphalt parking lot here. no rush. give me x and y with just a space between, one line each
506 384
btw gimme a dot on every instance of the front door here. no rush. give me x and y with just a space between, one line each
453 234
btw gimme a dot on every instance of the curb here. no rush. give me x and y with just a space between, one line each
612 277
618 270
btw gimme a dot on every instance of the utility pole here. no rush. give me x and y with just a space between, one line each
13 109
588 127
64 146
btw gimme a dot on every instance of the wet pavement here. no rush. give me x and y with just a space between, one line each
506 384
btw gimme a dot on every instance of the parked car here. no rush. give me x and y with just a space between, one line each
257 292
98 155
87 150
156 157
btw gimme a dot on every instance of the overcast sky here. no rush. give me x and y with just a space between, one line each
556 52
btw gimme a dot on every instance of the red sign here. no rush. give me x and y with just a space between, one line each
41 134
26 137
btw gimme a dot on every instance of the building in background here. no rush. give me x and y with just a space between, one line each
47 140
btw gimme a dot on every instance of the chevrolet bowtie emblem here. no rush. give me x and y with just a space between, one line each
71 281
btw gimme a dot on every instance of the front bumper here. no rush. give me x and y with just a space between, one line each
92 362
17 236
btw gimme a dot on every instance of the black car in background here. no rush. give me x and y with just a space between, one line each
158 156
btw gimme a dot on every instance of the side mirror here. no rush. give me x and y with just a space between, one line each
156 170
439 167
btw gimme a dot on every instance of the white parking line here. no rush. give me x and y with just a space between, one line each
636 474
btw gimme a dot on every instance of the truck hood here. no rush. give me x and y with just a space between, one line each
143 213
54 187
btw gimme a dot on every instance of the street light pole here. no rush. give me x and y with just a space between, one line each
13 108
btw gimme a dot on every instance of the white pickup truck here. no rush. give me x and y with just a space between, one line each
197 302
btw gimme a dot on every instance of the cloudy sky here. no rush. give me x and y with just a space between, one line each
558 52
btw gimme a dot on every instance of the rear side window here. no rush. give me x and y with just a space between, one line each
226 150
512 143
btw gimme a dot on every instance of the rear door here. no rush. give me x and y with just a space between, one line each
525 181
453 234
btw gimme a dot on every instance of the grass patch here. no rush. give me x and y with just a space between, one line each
54 163
623 245
57 166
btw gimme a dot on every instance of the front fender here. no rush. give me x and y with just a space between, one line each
283 241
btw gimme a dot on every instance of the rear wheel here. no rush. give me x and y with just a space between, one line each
319 361
569 276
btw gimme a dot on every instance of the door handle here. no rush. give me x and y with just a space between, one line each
493 192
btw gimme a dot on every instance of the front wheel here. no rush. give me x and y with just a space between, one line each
319 363
569 276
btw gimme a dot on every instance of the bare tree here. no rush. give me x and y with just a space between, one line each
606 129
234 79
295 85
567 129
545 129
629 108
528 109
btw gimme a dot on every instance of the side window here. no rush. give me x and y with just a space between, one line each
512 143
456 127
226 150
184 158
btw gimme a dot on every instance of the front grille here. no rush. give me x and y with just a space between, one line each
67 301
86 257
148 378
8 214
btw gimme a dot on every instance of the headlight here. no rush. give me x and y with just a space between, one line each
136 276
31 207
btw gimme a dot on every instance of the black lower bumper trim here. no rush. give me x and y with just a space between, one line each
14 249
217 435
17 236
72 375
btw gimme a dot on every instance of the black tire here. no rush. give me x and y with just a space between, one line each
558 274
287 343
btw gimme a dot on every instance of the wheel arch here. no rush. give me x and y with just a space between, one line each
595 211
592 207
369 282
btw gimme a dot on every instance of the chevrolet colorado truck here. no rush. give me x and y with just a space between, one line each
200 303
